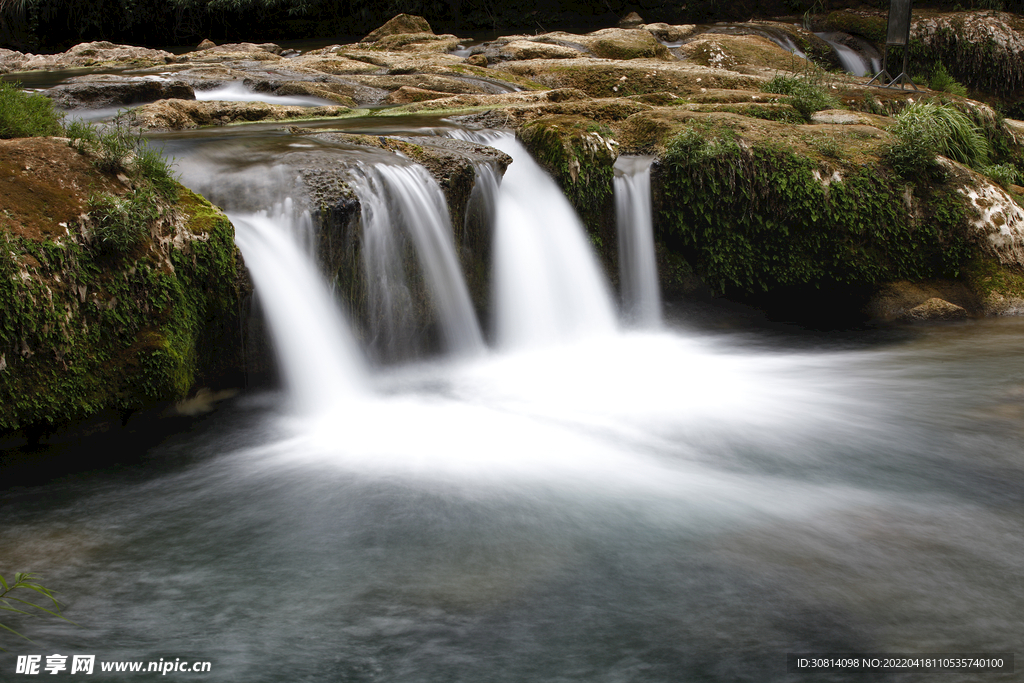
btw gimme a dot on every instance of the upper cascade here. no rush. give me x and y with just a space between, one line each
547 286
399 202
319 358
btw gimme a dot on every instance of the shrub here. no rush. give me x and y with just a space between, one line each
924 129
806 95
943 82
24 115
1004 174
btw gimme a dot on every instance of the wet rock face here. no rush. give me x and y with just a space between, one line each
112 91
984 49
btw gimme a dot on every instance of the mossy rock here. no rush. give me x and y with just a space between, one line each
867 24
579 153
622 43
83 329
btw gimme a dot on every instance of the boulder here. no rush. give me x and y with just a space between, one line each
669 33
206 44
402 23
622 43
98 53
631 20
936 309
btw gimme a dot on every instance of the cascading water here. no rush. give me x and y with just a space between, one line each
853 62
407 197
318 357
638 268
547 285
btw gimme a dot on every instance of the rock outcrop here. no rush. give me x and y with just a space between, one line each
86 326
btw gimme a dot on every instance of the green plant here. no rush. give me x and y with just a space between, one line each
941 81
806 95
828 145
924 129
1004 174
24 581
121 148
122 223
24 115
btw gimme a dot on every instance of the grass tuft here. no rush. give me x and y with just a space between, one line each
807 96
26 115
924 129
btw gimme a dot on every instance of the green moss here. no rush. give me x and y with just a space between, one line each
577 154
988 278
871 27
758 219
81 330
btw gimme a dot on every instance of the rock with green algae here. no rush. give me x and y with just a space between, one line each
86 328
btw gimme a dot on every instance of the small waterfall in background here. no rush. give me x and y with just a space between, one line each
853 62
547 286
319 359
408 198
638 268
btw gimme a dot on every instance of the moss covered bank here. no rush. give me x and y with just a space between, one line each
89 322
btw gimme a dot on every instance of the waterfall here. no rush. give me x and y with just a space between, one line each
547 286
319 359
638 268
852 61
407 197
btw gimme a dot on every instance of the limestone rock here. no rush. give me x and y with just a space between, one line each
997 224
670 33
408 95
183 114
936 309
982 49
623 43
64 357
535 49
115 91
206 44
417 42
631 20
401 23
86 54
263 52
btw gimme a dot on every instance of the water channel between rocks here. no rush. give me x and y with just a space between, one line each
577 501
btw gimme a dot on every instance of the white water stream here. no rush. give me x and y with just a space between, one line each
547 286
638 268
321 363
407 198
